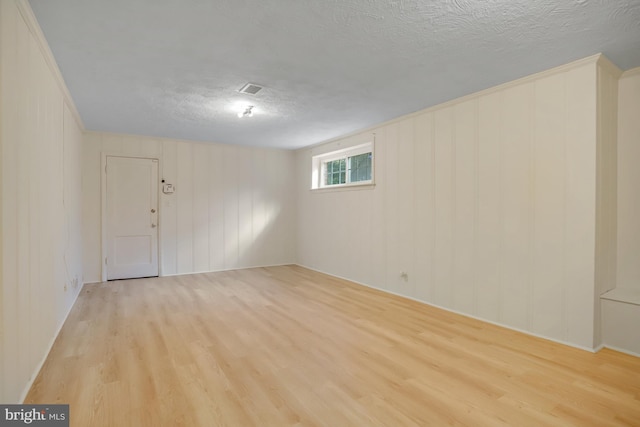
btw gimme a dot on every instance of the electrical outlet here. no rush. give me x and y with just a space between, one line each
404 275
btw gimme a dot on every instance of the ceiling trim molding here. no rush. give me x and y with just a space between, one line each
32 24
630 73
162 139
598 58
605 63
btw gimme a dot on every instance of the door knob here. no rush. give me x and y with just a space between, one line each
153 211
153 226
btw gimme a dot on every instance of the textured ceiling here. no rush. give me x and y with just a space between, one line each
172 68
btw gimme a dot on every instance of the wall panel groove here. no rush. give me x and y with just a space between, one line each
476 200
564 295
534 199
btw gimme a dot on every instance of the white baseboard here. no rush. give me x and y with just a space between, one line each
227 269
24 393
208 271
502 325
621 350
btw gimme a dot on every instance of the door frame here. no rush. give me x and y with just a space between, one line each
103 221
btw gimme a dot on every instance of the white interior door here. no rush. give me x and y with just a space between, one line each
132 217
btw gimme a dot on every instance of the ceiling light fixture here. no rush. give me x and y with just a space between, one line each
248 112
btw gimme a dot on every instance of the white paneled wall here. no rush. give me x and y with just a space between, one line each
488 203
40 141
628 269
233 207
606 186
621 306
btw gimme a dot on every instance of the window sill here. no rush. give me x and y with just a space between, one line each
349 187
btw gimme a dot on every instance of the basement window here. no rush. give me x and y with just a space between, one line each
343 168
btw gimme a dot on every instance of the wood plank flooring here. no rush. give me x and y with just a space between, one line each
286 346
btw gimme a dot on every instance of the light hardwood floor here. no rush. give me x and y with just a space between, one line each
286 346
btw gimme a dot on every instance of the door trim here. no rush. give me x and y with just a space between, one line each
103 220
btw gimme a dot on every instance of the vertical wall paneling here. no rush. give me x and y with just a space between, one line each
393 248
621 307
548 245
303 185
9 46
423 193
354 234
41 244
345 235
53 186
216 209
29 253
91 206
432 210
231 226
606 186
26 109
516 205
463 280
278 233
628 196
284 213
378 213
405 207
400 209
72 204
223 195
489 201
580 202
245 206
258 220
489 262
444 206
201 215
184 212
363 270
168 215
269 165
342 233
339 238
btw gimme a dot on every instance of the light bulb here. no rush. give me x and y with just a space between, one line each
248 112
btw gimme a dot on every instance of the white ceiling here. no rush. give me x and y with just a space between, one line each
172 68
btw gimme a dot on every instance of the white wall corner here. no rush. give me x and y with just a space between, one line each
608 75
609 66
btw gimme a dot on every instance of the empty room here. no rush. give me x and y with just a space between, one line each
319 213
